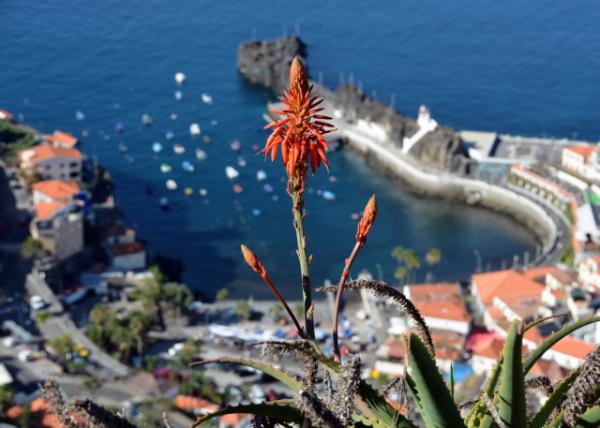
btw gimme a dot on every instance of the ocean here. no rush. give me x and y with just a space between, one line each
521 68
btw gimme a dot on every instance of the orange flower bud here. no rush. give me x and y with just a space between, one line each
253 261
298 74
367 220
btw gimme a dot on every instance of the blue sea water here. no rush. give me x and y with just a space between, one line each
520 67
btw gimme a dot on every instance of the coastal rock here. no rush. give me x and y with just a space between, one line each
267 62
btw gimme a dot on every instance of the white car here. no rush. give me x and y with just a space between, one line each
10 341
36 302
175 349
25 355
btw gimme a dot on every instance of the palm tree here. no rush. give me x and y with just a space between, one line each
150 292
122 338
433 256
179 296
139 325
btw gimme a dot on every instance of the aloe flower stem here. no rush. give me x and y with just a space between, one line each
303 260
284 304
338 300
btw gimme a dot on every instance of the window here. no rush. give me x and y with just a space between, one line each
73 164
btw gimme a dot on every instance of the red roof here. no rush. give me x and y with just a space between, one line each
191 403
41 411
432 292
447 310
505 283
47 151
234 419
46 210
584 151
573 347
57 189
124 249
489 347
60 138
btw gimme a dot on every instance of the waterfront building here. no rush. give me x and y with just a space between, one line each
589 273
128 256
52 163
58 225
118 234
582 160
54 191
485 354
6 115
61 139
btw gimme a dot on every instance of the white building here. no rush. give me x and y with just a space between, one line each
582 160
589 274
51 162
129 256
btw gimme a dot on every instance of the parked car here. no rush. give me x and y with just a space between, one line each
36 302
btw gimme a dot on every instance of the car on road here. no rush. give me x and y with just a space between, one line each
36 302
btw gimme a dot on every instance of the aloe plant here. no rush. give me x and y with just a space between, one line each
330 391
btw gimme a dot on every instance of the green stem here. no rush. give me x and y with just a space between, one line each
303 259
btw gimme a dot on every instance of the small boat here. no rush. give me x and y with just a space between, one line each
235 145
256 212
332 179
171 184
85 133
169 135
120 127
328 195
195 130
241 161
79 115
123 148
268 188
187 166
178 148
231 172
165 168
206 139
207 99
173 116
200 154
275 198
202 191
261 175
180 78
188 191
164 203
157 147
178 95
214 122
355 216
147 120
238 189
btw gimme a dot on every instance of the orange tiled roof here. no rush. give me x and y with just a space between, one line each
41 410
61 138
574 347
444 310
47 151
123 249
234 419
190 403
439 291
505 283
489 347
57 189
584 151
46 210
539 273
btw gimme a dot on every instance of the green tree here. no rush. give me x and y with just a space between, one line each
408 262
6 398
139 325
277 313
157 274
123 341
188 353
223 294
92 384
31 248
433 256
243 310
178 296
150 292
62 346
26 417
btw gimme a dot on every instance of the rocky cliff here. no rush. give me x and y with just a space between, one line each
267 63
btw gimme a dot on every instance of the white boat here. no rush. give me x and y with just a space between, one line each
173 116
203 191
187 166
235 145
201 154
207 99
169 135
178 148
171 184
123 148
268 188
180 78
195 130
147 119
328 195
261 175
79 115
241 161
178 95
165 168
157 147
231 172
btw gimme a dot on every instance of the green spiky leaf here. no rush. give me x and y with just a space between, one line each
553 339
288 380
511 402
282 410
439 410
590 418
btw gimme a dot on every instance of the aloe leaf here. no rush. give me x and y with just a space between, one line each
452 381
282 410
370 402
511 402
553 400
553 339
439 410
288 380
589 419
479 409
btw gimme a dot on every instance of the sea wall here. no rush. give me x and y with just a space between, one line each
451 186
